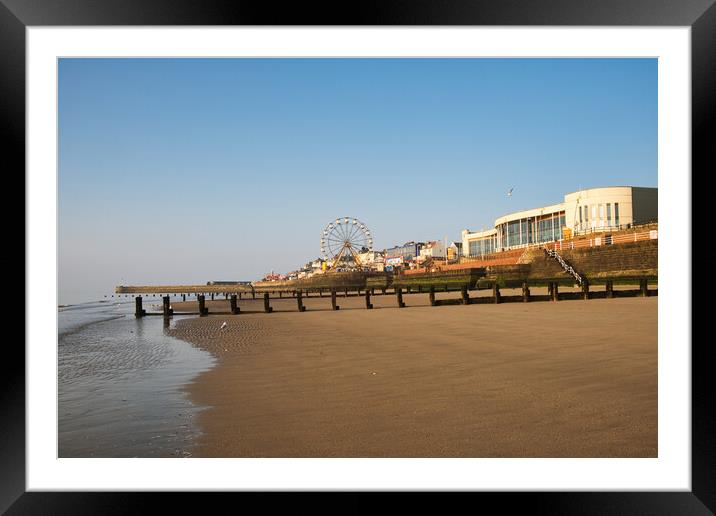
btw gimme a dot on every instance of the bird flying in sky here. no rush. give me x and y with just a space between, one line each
509 192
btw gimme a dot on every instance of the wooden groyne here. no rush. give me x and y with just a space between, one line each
587 291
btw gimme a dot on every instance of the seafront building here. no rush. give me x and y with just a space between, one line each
368 258
433 249
594 209
403 253
454 250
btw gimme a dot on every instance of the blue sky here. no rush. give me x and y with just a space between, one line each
190 170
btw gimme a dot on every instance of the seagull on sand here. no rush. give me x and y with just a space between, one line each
223 325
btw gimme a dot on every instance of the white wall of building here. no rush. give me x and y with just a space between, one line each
585 210
601 206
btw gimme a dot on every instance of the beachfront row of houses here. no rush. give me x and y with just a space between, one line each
584 211
408 255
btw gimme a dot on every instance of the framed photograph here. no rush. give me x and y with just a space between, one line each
416 250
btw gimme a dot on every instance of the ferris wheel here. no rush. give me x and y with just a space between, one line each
344 239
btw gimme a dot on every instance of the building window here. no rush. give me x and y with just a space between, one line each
555 227
547 234
548 229
528 235
616 213
609 214
482 246
513 233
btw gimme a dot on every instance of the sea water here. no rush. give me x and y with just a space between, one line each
121 384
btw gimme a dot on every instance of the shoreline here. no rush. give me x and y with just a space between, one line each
538 379
121 386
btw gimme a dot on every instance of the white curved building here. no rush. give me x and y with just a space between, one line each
594 209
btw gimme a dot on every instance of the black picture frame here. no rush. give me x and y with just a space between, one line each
700 15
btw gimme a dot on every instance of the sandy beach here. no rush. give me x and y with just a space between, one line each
542 379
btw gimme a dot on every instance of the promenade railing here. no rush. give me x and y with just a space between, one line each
605 239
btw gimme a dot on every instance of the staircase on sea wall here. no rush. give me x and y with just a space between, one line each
597 263
630 260
565 266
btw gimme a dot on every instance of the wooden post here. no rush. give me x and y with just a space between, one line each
383 290
555 291
226 296
432 296
409 291
212 296
183 297
253 294
168 312
202 309
320 292
234 307
644 287
399 297
585 289
368 304
465 296
239 296
333 300
372 291
299 300
495 293
267 305
280 294
525 292
610 289
138 311
346 293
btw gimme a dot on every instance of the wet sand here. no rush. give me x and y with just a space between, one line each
542 379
